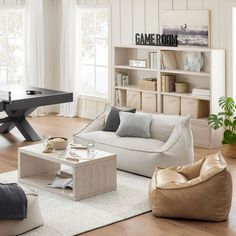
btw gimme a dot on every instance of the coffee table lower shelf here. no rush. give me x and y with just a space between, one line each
40 181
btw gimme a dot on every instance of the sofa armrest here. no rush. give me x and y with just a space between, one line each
95 125
178 133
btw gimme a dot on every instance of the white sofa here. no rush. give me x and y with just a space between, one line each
171 144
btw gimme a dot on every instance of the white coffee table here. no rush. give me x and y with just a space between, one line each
90 177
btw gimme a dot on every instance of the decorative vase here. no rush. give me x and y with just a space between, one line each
192 61
230 150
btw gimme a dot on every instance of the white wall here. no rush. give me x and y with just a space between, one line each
131 16
128 17
145 16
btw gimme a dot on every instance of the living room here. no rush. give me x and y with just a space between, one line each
117 117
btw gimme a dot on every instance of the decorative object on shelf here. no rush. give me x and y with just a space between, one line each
168 60
149 84
125 81
153 60
168 83
192 61
226 119
181 87
138 63
168 40
58 143
192 27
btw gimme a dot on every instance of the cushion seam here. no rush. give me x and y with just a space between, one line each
123 147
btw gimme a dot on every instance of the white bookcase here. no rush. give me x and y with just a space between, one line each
212 77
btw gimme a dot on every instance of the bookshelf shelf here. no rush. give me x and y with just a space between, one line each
186 95
135 88
126 67
184 72
211 77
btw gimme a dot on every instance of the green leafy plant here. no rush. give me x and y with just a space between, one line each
226 119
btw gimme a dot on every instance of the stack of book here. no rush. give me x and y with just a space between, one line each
122 79
153 60
201 92
168 83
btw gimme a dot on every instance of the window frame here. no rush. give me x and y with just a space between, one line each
109 66
12 8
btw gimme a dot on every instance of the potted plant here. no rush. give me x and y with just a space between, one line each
226 119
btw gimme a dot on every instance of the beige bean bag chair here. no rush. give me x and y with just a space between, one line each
202 190
33 220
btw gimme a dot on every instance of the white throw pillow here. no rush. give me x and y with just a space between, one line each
134 125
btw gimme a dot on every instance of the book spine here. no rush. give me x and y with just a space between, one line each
170 83
163 83
117 98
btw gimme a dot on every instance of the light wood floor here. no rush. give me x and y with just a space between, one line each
145 224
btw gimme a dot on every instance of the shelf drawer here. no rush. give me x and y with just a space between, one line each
133 99
149 102
171 105
194 107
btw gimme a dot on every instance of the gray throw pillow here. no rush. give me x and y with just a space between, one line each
134 125
113 119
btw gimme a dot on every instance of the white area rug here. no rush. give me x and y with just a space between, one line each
66 218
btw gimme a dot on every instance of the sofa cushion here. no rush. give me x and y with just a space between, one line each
134 125
113 119
131 143
163 125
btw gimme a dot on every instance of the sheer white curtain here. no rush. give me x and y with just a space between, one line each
34 46
68 56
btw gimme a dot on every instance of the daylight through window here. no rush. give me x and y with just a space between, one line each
93 52
11 46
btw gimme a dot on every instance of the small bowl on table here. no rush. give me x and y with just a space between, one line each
58 143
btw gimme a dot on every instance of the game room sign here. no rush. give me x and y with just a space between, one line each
167 40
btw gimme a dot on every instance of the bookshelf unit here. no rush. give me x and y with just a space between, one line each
211 76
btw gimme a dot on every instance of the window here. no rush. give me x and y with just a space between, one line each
11 46
93 52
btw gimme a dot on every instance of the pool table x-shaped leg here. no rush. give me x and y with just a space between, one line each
17 118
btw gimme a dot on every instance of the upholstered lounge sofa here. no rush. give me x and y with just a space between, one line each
171 144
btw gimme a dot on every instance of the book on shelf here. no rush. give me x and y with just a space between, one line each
201 92
62 183
120 97
122 79
153 60
168 83
168 60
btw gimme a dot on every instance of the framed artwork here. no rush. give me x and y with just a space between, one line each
192 27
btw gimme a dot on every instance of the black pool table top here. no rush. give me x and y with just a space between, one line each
43 97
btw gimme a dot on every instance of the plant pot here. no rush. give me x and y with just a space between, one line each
230 150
